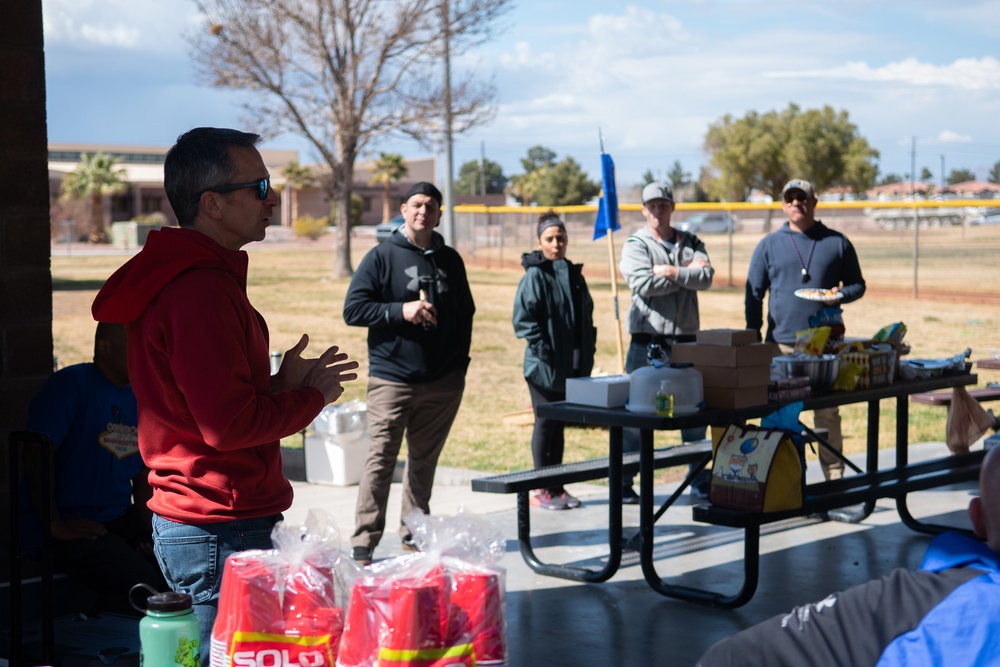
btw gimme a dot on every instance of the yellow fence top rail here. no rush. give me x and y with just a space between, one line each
735 206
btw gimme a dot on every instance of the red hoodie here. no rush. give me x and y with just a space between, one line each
198 356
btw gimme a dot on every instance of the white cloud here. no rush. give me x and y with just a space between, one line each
973 74
635 33
117 24
949 137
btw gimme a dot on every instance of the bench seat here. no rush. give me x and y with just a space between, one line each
944 397
583 471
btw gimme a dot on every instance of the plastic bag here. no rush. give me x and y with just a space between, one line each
967 421
441 607
830 316
282 601
347 421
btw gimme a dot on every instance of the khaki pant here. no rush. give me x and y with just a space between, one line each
425 412
828 418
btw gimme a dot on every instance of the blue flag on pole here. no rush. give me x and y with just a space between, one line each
607 211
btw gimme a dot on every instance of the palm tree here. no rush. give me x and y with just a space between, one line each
97 176
297 176
387 169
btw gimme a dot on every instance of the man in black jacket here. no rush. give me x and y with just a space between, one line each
413 295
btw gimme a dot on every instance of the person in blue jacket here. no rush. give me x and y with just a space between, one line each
943 614
554 314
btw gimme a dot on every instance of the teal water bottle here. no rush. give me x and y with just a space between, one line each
169 631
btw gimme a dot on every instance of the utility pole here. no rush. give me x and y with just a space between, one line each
942 172
916 212
449 182
482 168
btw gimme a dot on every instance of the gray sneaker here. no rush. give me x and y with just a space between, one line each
549 501
572 502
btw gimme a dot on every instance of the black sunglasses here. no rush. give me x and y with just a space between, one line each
262 186
796 196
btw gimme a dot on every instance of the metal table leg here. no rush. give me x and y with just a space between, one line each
575 572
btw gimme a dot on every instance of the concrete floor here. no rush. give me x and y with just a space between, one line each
623 621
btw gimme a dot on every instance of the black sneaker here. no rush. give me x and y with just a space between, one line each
363 555
409 544
629 496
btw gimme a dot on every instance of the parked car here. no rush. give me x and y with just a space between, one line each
709 223
987 216
383 230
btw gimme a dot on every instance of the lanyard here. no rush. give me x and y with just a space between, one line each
805 265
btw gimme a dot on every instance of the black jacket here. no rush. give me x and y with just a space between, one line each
393 273
554 313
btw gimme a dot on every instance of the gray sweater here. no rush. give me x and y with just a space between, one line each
660 305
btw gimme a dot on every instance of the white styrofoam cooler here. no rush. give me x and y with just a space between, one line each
336 461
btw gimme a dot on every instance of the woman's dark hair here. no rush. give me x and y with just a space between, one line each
549 219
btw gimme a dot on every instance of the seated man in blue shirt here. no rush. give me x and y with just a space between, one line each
943 614
100 537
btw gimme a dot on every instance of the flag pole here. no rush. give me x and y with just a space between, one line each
613 273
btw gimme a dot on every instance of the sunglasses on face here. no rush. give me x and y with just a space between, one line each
796 196
262 186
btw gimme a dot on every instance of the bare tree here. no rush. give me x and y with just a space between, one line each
344 73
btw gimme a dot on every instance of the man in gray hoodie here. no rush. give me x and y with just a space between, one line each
665 268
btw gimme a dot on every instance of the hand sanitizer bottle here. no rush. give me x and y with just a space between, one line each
664 400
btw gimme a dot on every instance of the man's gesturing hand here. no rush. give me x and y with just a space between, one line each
329 372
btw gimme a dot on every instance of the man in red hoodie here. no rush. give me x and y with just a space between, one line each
210 414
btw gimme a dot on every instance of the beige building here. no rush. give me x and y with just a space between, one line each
145 197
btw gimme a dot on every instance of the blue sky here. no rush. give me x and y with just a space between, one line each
651 74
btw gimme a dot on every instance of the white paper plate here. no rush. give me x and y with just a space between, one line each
816 294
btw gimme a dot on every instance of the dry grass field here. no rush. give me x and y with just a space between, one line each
290 284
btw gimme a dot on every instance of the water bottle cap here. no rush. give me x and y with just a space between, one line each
169 601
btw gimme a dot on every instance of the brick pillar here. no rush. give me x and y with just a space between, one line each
25 279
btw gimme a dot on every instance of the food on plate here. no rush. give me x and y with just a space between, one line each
818 294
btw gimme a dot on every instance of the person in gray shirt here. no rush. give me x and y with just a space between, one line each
665 269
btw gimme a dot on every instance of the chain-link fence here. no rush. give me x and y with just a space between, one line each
911 248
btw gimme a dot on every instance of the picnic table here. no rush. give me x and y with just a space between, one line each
863 488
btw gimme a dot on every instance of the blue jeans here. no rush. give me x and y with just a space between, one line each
192 559
636 358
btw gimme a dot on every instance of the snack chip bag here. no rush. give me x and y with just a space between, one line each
812 341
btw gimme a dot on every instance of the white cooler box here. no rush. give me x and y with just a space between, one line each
332 460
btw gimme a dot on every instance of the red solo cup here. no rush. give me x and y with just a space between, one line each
417 609
477 595
438 577
248 598
325 622
364 625
305 590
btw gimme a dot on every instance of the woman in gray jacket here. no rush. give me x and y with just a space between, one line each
554 313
